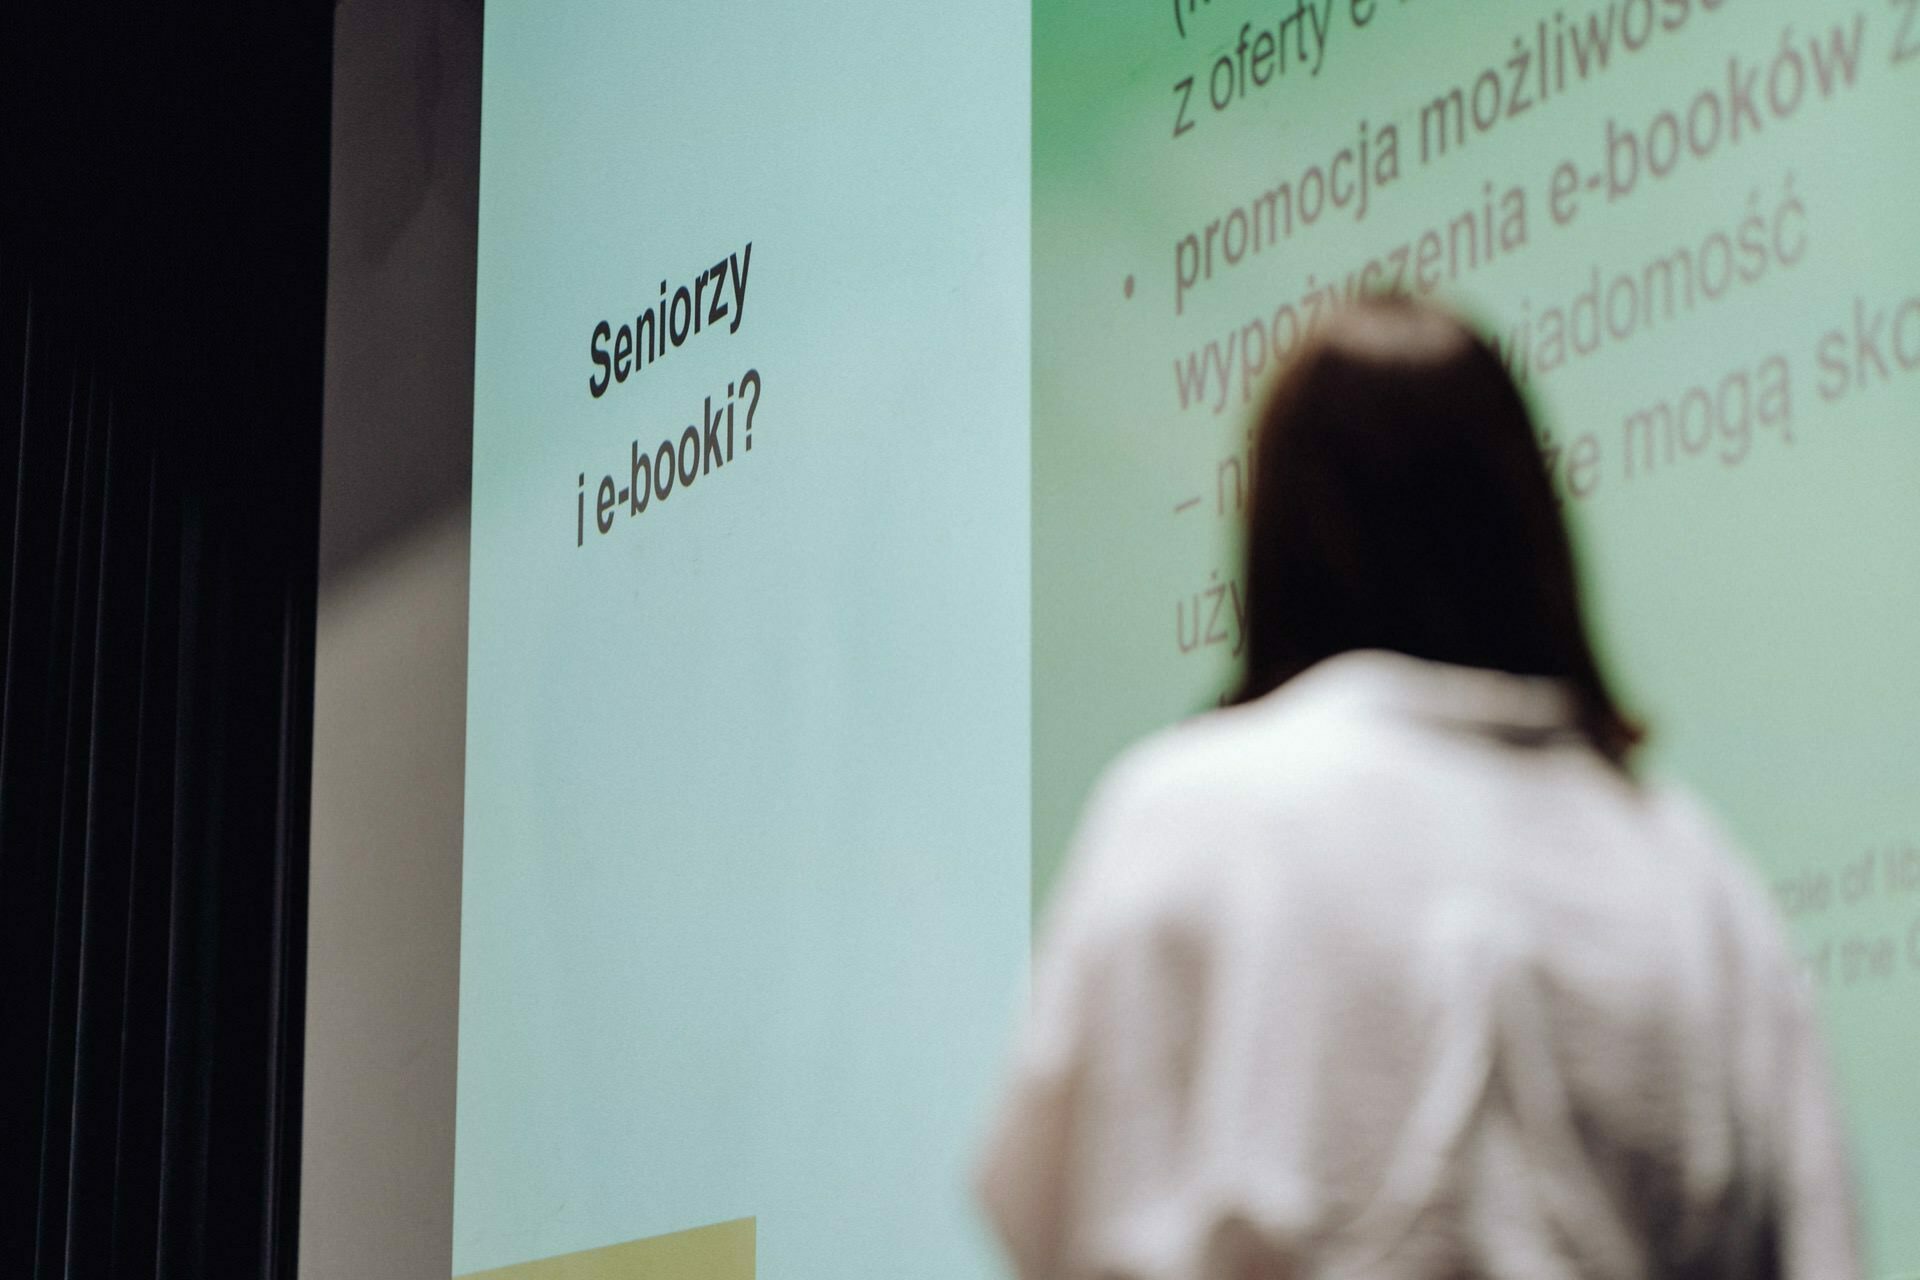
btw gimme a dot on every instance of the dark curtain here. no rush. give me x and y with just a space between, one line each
163 197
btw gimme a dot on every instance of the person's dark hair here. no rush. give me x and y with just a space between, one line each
1399 501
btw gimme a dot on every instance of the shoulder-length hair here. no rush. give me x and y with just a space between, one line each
1399 501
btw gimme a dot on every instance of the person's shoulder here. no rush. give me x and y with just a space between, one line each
1693 835
1180 808
1287 747
1749 927
1260 803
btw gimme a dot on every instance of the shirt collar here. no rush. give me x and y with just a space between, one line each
1524 708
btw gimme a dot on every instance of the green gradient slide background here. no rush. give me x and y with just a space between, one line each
1765 615
765 786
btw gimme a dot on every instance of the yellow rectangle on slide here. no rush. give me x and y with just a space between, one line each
720 1252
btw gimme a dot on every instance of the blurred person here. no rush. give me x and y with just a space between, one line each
1393 968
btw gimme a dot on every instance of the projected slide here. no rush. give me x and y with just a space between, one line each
746 849
1691 228
862 410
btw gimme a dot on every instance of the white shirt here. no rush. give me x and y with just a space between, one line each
1389 975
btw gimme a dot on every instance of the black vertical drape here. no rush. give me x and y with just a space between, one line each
163 200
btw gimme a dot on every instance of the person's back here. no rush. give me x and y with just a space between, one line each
1389 974
1394 969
